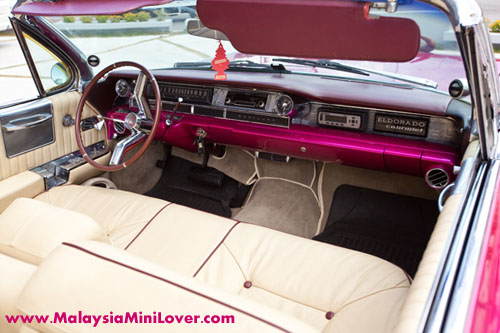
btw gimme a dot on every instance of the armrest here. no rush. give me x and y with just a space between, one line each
26 184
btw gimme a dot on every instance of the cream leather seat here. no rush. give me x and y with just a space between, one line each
317 286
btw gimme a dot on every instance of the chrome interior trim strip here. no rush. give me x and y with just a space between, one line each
469 183
462 291
56 172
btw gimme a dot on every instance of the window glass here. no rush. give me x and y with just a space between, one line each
16 83
53 73
157 38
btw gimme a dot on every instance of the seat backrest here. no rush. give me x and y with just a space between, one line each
30 229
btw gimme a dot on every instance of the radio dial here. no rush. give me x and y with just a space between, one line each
341 120
284 105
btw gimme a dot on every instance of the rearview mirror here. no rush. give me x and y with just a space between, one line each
196 28
59 74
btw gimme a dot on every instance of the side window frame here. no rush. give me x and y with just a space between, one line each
20 28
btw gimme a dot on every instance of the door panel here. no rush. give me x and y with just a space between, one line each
65 141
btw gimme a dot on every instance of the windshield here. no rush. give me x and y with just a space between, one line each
157 38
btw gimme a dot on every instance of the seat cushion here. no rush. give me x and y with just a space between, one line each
120 214
13 277
181 238
327 287
308 280
103 278
30 229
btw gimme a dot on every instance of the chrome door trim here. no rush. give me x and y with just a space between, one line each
21 109
16 26
461 294
27 122
436 308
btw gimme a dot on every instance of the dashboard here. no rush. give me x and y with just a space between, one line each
296 124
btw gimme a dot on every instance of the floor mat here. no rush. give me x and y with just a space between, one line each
282 205
177 185
390 226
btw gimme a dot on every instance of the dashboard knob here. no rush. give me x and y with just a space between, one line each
284 105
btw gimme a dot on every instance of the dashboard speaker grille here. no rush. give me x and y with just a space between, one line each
119 127
437 178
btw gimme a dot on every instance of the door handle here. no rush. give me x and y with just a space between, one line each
26 122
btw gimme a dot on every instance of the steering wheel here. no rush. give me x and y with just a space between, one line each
141 125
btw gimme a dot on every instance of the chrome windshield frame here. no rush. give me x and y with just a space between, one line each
443 311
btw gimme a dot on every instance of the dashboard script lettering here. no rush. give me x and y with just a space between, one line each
401 125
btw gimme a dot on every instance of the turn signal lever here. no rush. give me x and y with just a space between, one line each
170 120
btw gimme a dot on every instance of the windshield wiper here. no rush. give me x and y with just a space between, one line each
237 64
323 63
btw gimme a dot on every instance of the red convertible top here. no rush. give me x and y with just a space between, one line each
82 7
297 28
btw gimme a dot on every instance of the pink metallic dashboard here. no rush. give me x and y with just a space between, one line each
304 138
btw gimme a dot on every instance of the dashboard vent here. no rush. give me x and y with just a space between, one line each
437 178
119 127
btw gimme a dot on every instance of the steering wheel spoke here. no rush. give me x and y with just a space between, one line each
142 102
111 119
124 145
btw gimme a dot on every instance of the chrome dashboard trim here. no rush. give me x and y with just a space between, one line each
167 106
452 133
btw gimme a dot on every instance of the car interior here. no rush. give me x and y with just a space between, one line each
295 203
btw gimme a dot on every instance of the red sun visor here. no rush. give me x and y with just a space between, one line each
322 29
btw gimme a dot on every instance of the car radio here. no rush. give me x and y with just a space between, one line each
340 119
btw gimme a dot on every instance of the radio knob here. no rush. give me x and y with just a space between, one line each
284 105
261 104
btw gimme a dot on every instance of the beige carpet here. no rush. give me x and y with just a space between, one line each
236 163
301 171
295 197
282 205
143 175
